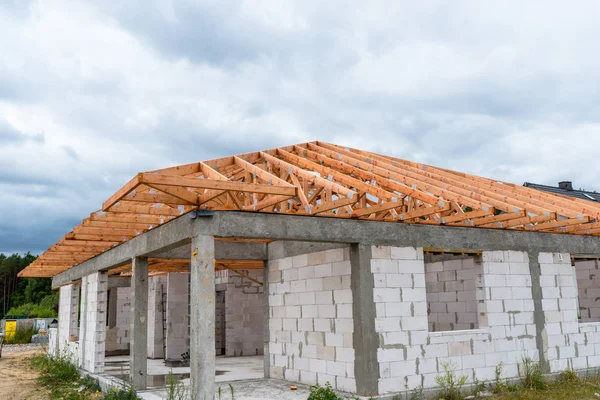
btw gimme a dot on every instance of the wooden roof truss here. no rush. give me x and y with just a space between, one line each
316 179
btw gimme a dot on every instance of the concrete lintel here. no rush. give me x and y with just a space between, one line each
119 281
223 251
138 365
233 224
283 248
162 238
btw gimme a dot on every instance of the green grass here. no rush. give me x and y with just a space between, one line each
62 378
569 387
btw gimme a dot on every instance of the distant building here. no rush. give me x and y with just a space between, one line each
566 188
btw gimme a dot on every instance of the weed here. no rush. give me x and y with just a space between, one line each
21 336
232 392
323 393
60 376
176 389
121 394
450 383
499 386
569 376
415 394
531 374
90 383
478 388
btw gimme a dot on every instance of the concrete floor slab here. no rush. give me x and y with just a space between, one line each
228 369
256 389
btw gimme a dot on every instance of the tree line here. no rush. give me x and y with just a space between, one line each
22 294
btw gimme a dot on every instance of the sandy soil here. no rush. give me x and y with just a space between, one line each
17 378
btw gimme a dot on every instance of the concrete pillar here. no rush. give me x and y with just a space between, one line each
139 326
177 316
83 313
365 337
266 327
202 318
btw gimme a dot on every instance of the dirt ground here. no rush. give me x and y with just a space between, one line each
17 378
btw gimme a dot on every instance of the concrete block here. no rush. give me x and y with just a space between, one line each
381 252
324 297
382 266
385 295
322 270
342 296
404 253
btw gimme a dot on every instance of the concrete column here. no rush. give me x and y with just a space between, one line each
365 337
139 325
266 327
83 312
202 318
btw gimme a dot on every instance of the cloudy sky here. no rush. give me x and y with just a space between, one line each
93 92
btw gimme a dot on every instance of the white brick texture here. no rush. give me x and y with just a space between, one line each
462 294
311 325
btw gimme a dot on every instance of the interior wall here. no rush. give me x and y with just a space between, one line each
588 285
451 292
220 339
118 333
244 314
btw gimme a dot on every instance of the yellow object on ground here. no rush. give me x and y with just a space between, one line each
10 329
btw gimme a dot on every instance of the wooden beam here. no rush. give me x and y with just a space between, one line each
168 180
292 168
375 209
464 216
129 186
184 196
422 212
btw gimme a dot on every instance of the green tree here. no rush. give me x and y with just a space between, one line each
13 290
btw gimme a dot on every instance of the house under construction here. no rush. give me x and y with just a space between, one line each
321 263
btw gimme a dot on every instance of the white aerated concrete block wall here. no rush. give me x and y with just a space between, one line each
119 335
220 320
588 283
571 344
68 311
95 322
311 324
410 356
451 294
244 314
177 315
53 342
124 317
157 285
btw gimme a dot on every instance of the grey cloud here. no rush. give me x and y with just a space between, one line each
33 232
493 92
10 135
70 151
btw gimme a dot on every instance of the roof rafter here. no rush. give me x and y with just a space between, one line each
318 179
